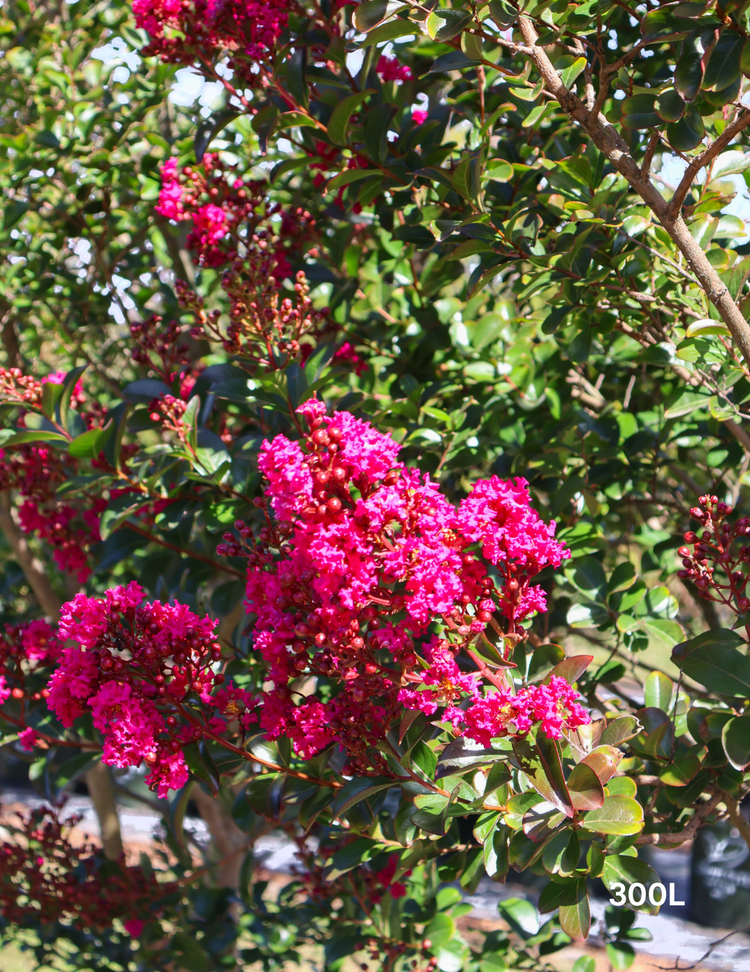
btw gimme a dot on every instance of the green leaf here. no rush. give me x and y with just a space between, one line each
387 32
358 789
571 72
117 511
201 765
687 133
688 75
502 14
662 23
570 668
585 788
521 915
209 128
724 63
621 955
453 61
707 328
290 119
440 930
604 761
445 23
669 106
536 115
296 76
369 14
343 111
348 176
68 387
549 755
617 815
377 123
350 856
620 730
575 911
495 853
73 768
561 853
735 739
686 403
463 753
658 691
639 111
587 575
680 770
714 661
89 444
34 436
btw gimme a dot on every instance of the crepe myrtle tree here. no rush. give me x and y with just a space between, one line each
373 469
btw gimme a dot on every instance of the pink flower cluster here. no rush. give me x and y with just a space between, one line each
36 471
500 713
68 530
371 555
391 69
216 203
134 668
26 653
220 205
180 30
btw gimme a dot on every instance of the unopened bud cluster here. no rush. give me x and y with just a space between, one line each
719 562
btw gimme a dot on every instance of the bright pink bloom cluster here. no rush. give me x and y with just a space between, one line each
216 202
36 472
500 713
347 356
220 205
391 69
498 516
133 668
27 653
371 556
69 531
180 30
419 116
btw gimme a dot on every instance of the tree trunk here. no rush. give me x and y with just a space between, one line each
226 836
102 793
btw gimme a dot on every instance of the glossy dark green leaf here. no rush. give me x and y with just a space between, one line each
715 661
342 113
377 124
658 24
723 66
735 738
670 106
688 132
370 13
209 128
639 111
445 23
690 67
